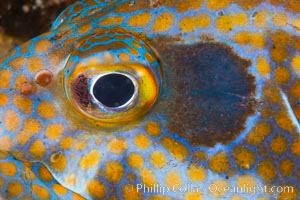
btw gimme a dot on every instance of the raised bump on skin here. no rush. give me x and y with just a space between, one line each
43 77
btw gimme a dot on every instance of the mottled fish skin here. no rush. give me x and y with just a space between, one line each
218 102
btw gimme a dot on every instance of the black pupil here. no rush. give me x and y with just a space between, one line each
113 90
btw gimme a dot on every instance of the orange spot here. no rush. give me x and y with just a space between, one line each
114 171
280 41
11 120
282 75
37 149
124 57
139 20
6 143
227 23
266 171
142 142
295 89
219 163
296 64
117 146
244 158
131 194
17 63
147 177
296 24
66 143
246 180
263 66
278 54
271 93
255 40
260 19
279 145
110 21
46 110
40 192
77 197
163 22
24 104
14 189
196 173
296 148
289 193
248 4
189 24
283 121
59 190
135 161
259 133
5 77
3 99
35 64
280 19
54 131
44 174
158 159
8 169
193 196
153 128
42 46
84 28
96 189
177 150
217 5
30 127
173 178
20 80
58 161
286 167
184 6
90 160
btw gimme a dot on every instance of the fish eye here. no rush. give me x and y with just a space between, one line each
114 92
112 78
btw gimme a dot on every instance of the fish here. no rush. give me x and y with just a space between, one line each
158 99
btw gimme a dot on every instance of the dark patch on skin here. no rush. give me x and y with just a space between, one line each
209 93
79 89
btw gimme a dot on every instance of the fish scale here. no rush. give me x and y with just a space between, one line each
217 105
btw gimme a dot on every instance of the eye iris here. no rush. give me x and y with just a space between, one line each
113 90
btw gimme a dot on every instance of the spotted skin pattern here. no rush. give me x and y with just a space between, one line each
52 149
